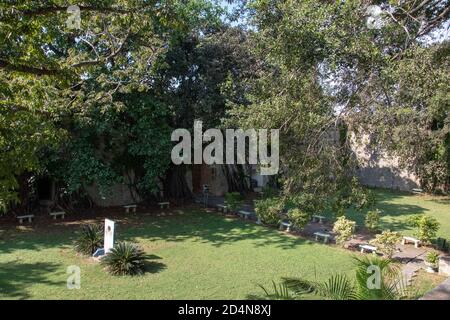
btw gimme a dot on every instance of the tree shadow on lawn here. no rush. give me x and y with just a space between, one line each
213 229
152 266
16 277
36 242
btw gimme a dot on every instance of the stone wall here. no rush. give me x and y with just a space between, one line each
379 169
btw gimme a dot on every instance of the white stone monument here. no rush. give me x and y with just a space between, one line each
109 235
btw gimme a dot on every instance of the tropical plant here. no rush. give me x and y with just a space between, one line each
125 258
372 220
386 242
375 279
298 218
432 258
426 227
344 229
233 200
89 239
269 210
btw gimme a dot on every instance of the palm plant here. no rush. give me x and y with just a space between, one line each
90 239
385 283
125 259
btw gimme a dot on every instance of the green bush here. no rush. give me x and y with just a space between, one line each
269 210
233 200
426 227
307 202
125 259
90 239
432 257
386 241
372 220
344 229
298 217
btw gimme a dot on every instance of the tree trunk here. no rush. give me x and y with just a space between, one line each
175 185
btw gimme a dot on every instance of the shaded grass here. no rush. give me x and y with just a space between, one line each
397 207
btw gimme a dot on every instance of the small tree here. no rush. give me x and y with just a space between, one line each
386 241
344 229
269 210
372 220
233 200
298 217
426 227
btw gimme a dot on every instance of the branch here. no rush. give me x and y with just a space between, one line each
27 69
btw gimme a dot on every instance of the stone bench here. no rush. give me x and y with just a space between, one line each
318 218
417 191
244 214
164 205
367 247
130 206
285 224
222 207
56 214
416 242
325 236
28 216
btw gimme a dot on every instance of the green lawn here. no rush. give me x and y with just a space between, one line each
194 255
397 207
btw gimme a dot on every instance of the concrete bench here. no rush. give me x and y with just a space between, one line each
28 216
164 204
367 247
285 224
222 208
318 218
416 242
416 190
56 214
325 236
130 206
244 214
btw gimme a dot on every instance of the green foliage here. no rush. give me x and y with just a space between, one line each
372 220
344 230
426 227
269 210
298 217
89 239
386 242
307 202
233 200
432 257
125 259
385 284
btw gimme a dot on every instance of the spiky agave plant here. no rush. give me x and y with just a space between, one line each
388 283
125 259
90 239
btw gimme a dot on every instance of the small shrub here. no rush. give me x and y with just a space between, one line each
125 259
372 220
233 200
426 227
386 242
432 257
344 229
298 217
90 239
269 210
